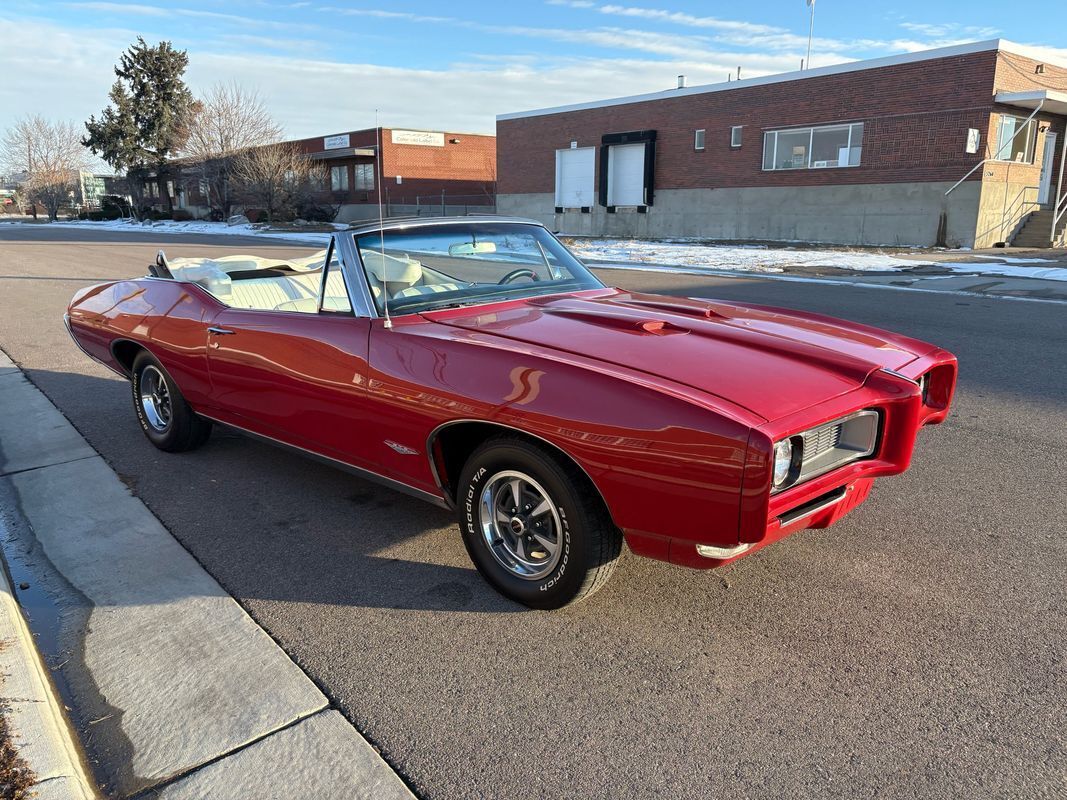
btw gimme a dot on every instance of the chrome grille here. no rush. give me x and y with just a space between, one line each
834 444
818 441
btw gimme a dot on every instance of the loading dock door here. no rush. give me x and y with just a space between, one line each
626 175
575 177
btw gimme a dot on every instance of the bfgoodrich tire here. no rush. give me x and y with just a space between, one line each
533 524
162 412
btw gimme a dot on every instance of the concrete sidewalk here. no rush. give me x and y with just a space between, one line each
173 688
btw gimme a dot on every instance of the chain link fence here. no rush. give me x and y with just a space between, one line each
440 205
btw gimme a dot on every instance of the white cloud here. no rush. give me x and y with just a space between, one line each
949 30
691 20
192 13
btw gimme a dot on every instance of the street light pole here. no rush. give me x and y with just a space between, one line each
811 30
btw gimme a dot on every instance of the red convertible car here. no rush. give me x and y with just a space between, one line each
475 363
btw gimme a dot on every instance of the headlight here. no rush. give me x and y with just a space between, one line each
783 462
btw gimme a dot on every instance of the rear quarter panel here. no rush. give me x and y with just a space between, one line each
165 317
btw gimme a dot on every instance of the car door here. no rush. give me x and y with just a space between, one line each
297 372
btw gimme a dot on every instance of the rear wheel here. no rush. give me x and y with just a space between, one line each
533 524
165 417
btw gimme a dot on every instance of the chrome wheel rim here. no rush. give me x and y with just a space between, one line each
520 525
155 399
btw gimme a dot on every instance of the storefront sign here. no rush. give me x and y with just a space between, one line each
424 138
336 142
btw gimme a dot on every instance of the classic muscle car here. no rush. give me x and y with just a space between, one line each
475 363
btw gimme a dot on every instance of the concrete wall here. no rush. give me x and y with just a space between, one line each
1004 207
871 214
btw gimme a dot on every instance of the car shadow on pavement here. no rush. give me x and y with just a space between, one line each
272 525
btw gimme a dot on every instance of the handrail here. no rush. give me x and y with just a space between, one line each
1000 149
965 177
1059 210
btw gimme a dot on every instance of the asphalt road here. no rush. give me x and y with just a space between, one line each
914 650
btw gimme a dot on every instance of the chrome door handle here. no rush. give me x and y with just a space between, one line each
220 331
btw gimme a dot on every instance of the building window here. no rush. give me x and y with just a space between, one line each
698 140
1016 139
575 177
813 148
339 178
364 176
735 136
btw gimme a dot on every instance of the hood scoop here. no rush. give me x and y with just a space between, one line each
681 306
639 324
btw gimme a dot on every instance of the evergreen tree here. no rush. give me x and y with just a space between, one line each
147 120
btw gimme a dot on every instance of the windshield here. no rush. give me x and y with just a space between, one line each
445 266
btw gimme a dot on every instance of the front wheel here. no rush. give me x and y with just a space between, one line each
534 525
165 417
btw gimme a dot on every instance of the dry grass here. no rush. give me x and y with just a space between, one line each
16 776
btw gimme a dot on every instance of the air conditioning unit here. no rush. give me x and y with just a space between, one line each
819 164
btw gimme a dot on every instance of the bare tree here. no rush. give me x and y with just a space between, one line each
229 120
52 156
276 177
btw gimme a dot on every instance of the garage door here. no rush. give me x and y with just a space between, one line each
626 175
575 177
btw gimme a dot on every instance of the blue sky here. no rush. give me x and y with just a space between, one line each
324 67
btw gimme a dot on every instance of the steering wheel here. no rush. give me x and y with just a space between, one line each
515 274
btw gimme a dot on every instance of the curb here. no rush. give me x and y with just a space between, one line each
38 726
175 690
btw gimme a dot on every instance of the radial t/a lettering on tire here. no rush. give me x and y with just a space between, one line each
534 525
161 410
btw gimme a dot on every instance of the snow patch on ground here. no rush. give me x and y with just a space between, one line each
1011 271
747 258
1015 259
688 257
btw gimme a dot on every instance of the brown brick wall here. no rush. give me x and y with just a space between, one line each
916 118
473 158
464 169
1016 73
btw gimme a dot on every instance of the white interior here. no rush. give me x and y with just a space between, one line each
399 276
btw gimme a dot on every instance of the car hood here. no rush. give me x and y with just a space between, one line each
770 361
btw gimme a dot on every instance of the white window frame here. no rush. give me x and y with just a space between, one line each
735 135
1031 140
811 141
700 136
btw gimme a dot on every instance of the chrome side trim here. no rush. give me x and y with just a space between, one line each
366 474
709 551
900 375
440 484
70 332
803 512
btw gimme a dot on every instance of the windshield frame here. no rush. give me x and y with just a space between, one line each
586 279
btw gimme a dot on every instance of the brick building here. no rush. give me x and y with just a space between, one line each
419 172
960 145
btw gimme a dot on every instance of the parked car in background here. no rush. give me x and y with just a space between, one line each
476 364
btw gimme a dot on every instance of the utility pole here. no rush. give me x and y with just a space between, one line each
811 30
